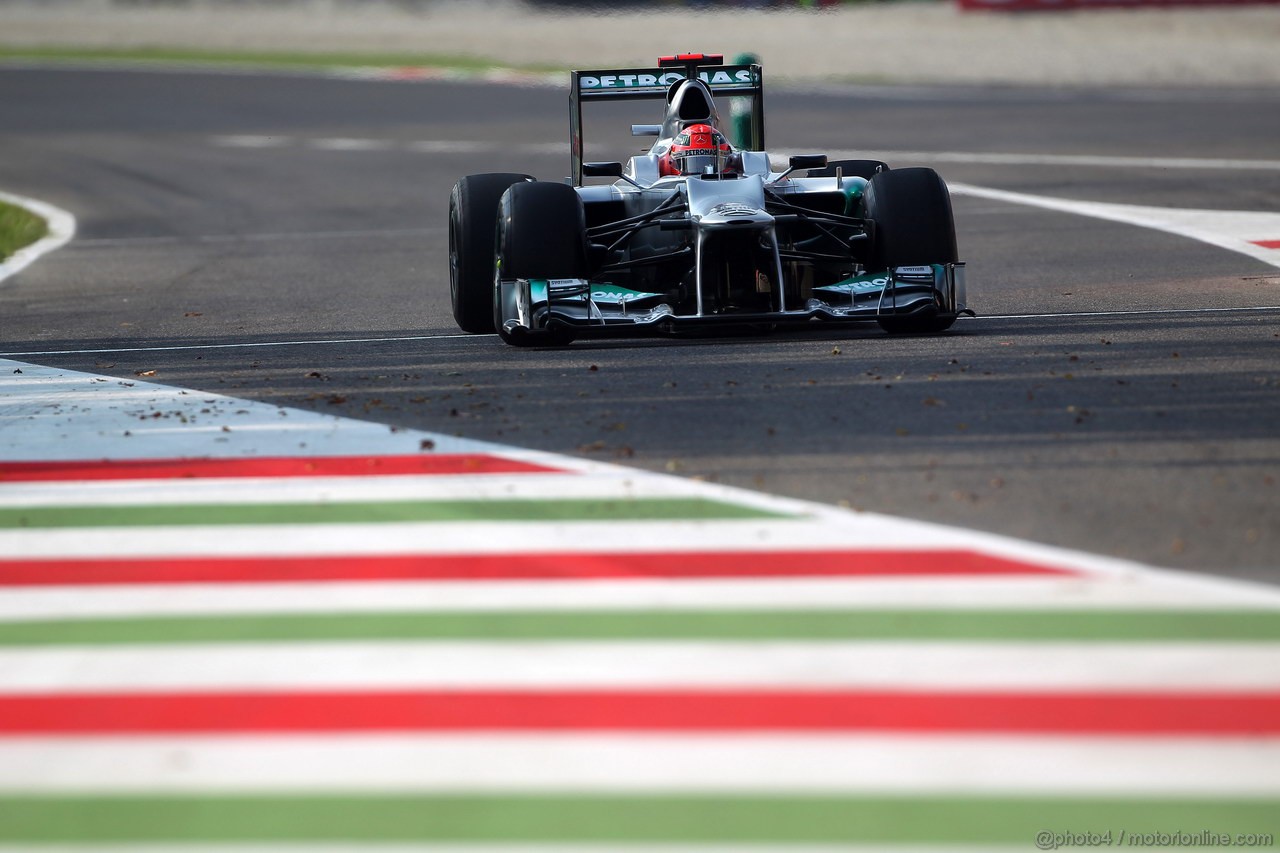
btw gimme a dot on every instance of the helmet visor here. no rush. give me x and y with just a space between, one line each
697 164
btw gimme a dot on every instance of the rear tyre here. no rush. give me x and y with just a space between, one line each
473 214
911 209
542 233
850 169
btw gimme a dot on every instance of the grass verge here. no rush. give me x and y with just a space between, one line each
18 228
270 59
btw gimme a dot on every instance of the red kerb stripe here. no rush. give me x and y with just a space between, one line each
1267 244
275 466
1223 714
553 566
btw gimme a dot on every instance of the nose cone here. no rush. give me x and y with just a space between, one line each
737 203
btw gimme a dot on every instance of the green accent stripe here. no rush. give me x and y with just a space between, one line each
637 818
575 509
973 625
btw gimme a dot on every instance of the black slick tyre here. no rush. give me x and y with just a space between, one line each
473 216
541 234
914 226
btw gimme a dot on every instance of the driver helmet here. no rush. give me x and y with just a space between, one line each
696 148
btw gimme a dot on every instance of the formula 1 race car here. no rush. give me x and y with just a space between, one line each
698 231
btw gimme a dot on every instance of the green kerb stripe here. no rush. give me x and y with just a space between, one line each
1102 626
637 818
577 509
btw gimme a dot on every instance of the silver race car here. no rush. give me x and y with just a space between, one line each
700 231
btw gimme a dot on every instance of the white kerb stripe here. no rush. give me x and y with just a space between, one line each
364 489
27 604
566 665
644 762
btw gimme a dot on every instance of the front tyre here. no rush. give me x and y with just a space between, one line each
541 235
473 215
914 226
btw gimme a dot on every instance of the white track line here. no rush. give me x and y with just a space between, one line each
894 158
142 242
448 337
656 762
241 345
1197 164
61 228
1226 229
707 665
1066 315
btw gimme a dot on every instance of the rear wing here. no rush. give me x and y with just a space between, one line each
741 82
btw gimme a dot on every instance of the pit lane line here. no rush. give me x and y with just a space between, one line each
445 337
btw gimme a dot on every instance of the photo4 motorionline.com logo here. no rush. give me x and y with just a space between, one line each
1047 840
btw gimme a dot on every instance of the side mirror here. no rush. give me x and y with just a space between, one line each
602 170
807 161
646 130
801 161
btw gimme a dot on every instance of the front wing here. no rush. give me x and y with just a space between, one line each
533 306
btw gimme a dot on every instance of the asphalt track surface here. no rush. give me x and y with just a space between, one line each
283 239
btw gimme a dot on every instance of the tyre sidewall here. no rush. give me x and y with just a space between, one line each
473 214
